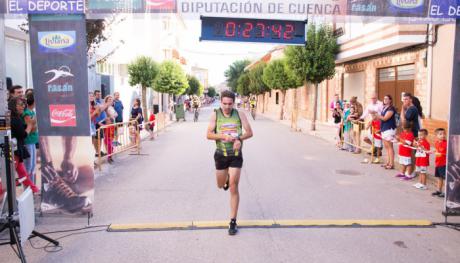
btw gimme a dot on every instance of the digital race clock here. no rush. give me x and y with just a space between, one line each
252 30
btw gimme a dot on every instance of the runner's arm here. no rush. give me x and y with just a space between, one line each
246 127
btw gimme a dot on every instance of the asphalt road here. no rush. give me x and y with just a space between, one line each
285 176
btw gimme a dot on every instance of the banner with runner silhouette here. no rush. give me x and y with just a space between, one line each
60 78
453 154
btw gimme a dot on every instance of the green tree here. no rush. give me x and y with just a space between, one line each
212 92
256 83
194 86
234 72
243 84
278 76
143 70
171 79
314 62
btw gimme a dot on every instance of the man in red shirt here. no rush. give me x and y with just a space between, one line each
151 126
422 158
406 139
440 161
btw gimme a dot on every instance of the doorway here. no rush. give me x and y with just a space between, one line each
396 81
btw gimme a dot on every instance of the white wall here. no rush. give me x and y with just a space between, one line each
443 53
16 61
354 84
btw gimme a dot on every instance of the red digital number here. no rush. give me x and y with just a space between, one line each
230 29
260 32
247 30
288 31
276 31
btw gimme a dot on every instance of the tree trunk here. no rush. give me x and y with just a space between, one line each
315 108
144 103
263 103
294 112
283 104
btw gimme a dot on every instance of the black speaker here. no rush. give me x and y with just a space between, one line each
9 83
156 108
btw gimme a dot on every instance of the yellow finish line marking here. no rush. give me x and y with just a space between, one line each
196 225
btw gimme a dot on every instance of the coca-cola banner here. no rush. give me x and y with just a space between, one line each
59 70
453 155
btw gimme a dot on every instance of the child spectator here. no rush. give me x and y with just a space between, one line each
440 161
109 135
132 133
422 158
347 129
374 138
151 126
406 139
337 114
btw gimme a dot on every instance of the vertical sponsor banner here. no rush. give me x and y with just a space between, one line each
3 107
59 69
453 155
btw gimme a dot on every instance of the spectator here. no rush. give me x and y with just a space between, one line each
94 112
348 117
410 113
406 140
422 158
356 131
97 96
440 161
100 120
110 110
151 126
28 91
118 106
374 138
20 131
109 134
137 115
31 140
136 111
388 129
418 105
358 106
374 106
16 92
336 100
337 115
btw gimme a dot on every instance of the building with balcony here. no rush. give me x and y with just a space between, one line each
382 58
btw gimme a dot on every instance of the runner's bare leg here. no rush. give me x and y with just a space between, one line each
234 191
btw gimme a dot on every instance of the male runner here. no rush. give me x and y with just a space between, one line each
226 128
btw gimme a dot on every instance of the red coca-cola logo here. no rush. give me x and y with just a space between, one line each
161 5
63 115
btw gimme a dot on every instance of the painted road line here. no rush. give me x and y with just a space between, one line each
150 227
344 223
196 225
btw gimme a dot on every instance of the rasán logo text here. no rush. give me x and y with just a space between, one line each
407 4
56 41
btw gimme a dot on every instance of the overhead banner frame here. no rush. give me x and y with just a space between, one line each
390 11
